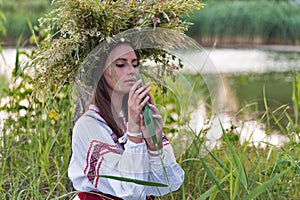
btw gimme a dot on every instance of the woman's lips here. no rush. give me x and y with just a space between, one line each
130 81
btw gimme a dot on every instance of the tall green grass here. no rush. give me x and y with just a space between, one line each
240 172
35 149
276 22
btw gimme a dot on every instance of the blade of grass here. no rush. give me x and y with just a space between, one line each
266 108
231 182
261 188
236 188
33 33
17 62
278 119
214 194
211 190
237 162
217 160
295 96
140 182
70 195
213 178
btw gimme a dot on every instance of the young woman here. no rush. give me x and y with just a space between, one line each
111 139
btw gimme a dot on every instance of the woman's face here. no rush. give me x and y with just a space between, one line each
121 68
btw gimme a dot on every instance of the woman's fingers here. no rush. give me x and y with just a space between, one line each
143 95
151 99
139 97
139 94
136 89
135 86
142 123
144 101
154 108
157 116
158 121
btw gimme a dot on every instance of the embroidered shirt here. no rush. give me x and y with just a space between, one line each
95 153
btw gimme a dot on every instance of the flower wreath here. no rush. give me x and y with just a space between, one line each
76 27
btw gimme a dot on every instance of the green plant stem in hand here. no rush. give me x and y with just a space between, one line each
148 120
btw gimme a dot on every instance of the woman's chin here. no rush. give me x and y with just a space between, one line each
125 89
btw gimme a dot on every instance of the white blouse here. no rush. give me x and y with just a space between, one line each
94 152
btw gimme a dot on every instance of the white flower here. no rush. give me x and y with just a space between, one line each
42 80
166 16
98 33
140 21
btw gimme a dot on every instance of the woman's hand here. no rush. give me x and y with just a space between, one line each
158 122
137 100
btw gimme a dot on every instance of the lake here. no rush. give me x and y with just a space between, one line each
259 59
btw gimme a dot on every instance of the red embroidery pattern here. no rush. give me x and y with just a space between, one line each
89 151
165 140
94 158
98 170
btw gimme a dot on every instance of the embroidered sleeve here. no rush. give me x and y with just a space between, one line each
94 159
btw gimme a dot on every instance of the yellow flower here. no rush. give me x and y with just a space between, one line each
109 26
53 114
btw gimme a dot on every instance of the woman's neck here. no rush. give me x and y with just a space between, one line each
116 101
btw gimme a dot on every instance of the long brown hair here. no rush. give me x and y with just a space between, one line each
101 97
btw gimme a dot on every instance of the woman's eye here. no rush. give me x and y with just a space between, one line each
120 65
135 66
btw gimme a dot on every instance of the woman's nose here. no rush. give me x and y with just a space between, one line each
131 68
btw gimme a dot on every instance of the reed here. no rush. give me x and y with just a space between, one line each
247 22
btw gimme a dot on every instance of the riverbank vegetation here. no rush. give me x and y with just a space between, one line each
247 22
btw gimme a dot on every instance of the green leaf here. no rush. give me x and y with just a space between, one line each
295 96
261 188
149 123
140 182
148 119
17 62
